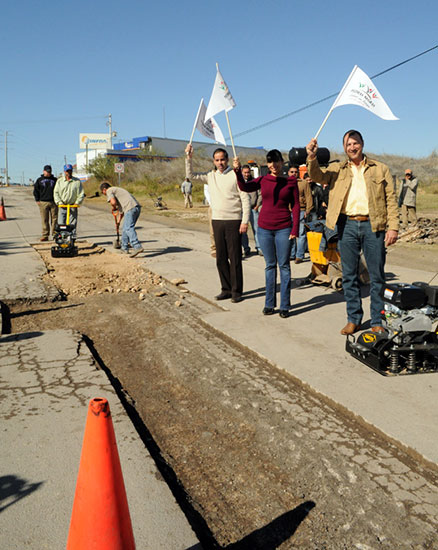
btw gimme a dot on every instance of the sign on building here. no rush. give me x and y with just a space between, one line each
94 141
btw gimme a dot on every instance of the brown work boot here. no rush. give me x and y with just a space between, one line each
44 239
350 328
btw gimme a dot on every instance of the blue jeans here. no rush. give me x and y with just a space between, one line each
355 236
253 220
129 234
299 245
245 242
276 245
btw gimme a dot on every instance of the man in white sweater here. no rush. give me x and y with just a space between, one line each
230 215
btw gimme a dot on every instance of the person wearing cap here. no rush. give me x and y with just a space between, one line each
43 192
363 206
407 200
277 228
68 190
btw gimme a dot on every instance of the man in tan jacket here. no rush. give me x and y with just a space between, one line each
363 206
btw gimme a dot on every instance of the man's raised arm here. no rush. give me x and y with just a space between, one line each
189 169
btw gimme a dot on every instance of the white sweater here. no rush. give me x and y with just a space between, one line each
228 202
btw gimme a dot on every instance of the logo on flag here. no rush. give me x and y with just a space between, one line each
220 99
208 128
359 90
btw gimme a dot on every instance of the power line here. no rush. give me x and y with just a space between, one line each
45 120
296 111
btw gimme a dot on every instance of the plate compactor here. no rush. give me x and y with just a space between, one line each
64 237
409 344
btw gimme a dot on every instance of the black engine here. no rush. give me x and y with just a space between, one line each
409 344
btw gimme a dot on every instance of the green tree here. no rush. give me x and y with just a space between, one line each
102 168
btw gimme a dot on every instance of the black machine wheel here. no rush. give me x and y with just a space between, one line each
337 283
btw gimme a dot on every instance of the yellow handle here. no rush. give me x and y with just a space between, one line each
68 206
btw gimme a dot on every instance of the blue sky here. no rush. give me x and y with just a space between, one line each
66 65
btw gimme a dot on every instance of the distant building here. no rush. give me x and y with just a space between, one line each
159 148
174 148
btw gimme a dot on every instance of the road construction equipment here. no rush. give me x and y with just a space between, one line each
326 265
409 344
159 204
65 236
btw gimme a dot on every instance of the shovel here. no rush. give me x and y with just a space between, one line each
116 243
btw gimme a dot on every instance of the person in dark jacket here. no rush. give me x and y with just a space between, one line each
43 193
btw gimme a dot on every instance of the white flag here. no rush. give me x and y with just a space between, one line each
359 90
208 128
221 98
218 135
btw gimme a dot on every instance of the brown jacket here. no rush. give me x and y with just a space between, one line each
382 202
305 194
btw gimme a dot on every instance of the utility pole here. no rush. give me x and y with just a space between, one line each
6 159
164 121
65 160
110 125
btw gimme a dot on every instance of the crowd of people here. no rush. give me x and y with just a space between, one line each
59 198
356 197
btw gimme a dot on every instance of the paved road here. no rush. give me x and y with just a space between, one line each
307 345
46 382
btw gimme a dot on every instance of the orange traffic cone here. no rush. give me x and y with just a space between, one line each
2 211
100 516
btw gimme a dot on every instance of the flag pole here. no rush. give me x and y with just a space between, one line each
228 123
323 123
334 103
196 120
231 135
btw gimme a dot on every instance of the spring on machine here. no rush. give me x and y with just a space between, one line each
411 363
393 361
